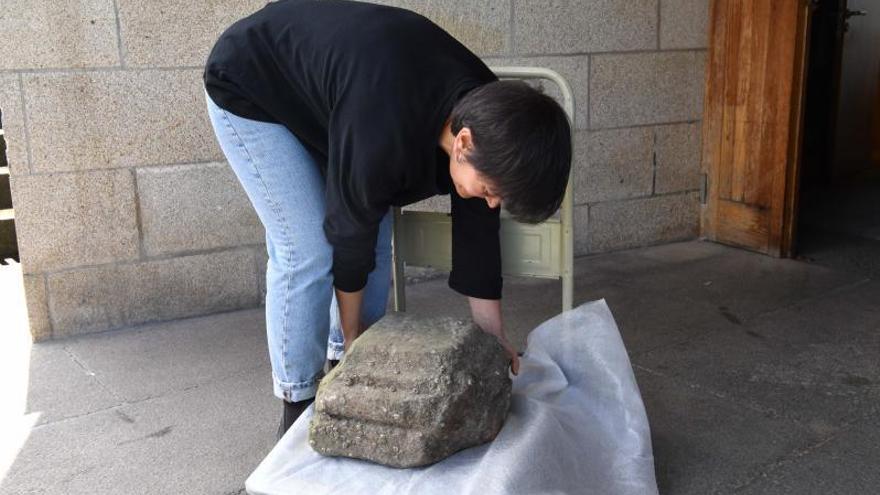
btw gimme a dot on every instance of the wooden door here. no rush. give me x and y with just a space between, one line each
752 122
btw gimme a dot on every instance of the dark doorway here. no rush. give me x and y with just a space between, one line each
839 202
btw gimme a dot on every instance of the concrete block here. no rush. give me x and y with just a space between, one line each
113 296
37 34
118 119
37 307
69 220
194 207
684 24
678 157
574 69
574 26
613 164
581 230
638 222
169 32
13 124
646 88
480 25
169 357
413 391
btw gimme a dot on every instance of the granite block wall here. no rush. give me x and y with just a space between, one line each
126 212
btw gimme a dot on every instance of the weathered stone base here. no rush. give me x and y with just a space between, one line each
412 392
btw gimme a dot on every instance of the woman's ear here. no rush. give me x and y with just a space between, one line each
465 143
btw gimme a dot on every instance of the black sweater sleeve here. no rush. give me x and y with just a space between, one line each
476 248
360 182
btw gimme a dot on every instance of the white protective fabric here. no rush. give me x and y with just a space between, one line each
577 425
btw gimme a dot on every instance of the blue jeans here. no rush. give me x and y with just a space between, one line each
286 187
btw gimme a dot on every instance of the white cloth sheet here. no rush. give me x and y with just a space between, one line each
577 425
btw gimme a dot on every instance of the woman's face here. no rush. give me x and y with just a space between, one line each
467 180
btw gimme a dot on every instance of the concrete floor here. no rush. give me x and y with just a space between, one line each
759 376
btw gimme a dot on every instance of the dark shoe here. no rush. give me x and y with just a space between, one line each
292 411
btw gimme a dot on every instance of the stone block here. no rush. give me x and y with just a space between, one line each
646 88
684 24
638 222
38 34
194 207
576 26
13 124
613 164
574 69
481 25
118 119
68 220
411 392
37 307
581 230
678 157
114 296
159 33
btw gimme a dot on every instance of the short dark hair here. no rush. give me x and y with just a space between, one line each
522 145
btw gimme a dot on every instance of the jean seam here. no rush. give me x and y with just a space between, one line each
280 216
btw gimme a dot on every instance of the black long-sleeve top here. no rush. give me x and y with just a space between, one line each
367 89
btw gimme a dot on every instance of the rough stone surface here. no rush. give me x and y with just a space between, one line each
412 392
113 296
37 307
159 33
37 34
570 26
193 207
71 220
646 88
638 222
684 24
481 25
613 164
118 119
581 229
678 158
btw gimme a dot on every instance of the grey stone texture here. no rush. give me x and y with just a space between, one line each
573 26
38 34
13 124
76 219
117 119
646 88
684 24
678 150
162 33
574 69
439 203
112 296
37 307
481 25
613 164
581 229
194 207
413 391
636 222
